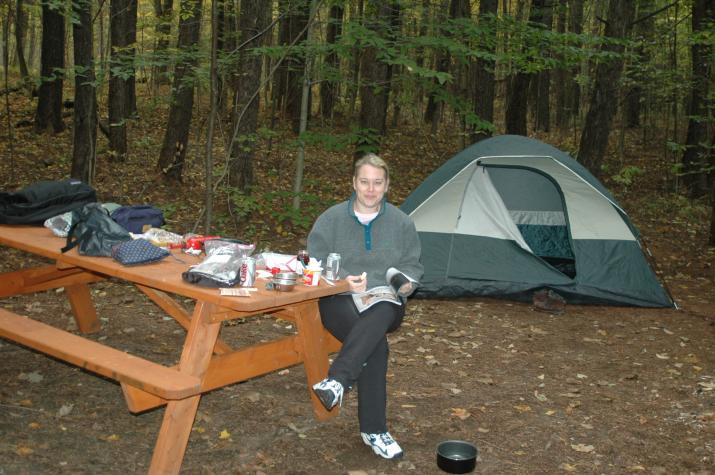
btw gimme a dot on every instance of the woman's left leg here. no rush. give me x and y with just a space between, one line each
372 391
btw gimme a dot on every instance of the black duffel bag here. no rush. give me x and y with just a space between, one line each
93 232
44 199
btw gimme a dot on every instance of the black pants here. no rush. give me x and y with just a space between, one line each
363 357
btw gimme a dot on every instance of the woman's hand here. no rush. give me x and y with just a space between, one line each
358 283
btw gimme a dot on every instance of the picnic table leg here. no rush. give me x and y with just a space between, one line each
313 352
179 415
82 308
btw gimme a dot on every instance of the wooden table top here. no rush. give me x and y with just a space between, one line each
164 275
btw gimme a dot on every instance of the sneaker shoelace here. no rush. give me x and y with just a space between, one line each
387 439
338 391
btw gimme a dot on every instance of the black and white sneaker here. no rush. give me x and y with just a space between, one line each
330 392
383 445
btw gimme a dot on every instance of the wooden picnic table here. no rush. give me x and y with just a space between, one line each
206 362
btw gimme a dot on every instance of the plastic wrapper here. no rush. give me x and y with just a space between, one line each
60 224
160 237
220 269
242 248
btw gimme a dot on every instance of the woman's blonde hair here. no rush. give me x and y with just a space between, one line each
375 161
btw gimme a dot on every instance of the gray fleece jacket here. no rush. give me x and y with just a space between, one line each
389 240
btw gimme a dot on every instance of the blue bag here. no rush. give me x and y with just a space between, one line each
134 218
138 251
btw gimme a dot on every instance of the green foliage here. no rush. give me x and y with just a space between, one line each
680 208
169 209
281 208
243 204
278 205
627 175
328 140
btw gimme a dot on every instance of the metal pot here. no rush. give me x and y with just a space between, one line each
283 285
456 456
287 276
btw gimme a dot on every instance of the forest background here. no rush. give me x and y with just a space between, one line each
238 98
242 118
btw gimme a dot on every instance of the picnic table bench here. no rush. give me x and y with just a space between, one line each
206 361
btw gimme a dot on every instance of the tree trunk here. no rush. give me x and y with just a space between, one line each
130 91
560 74
304 108
375 83
516 97
484 84
117 104
32 47
356 60
280 78
226 31
573 89
20 31
49 100
331 64
698 154
711 241
433 111
519 84
254 18
176 137
85 99
162 10
643 33
603 104
298 22
543 10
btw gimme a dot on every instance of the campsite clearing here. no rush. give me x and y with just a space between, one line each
594 390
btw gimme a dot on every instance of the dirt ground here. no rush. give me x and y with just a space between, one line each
592 390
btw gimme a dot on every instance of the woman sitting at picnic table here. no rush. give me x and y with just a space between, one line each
371 236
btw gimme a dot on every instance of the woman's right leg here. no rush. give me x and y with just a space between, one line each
360 334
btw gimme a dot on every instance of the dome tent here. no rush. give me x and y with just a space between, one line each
511 215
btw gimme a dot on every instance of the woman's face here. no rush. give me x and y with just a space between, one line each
370 186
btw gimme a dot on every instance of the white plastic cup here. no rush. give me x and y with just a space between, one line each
311 275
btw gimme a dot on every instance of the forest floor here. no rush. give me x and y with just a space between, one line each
593 390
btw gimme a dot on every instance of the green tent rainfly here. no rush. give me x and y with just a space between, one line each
511 215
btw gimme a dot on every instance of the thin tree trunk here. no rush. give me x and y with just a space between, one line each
484 83
573 88
176 137
304 110
698 152
543 78
433 111
85 102
117 103
10 152
375 87
280 78
20 32
298 21
518 88
162 11
711 241
49 100
131 25
331 64
356 61
603 104
643 33
214 95
560 74
253 19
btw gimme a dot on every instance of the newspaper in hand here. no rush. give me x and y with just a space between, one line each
399 286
